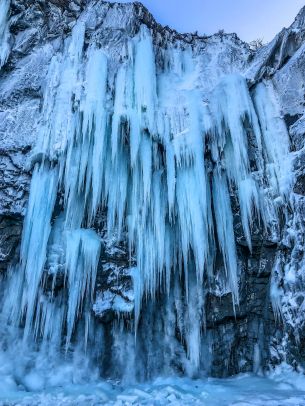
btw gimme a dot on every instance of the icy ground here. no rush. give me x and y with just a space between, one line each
281 388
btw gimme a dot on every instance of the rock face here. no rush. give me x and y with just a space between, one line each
267 325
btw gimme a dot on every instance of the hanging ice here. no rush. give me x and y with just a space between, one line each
82 256
36 231
85 156
4 31
224 225
235 117
145 81
161 161
275 139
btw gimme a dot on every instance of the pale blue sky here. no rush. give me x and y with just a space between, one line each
250 19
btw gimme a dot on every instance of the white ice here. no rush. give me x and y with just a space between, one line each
4 31
282 387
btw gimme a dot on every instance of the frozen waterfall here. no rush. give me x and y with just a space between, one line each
161 162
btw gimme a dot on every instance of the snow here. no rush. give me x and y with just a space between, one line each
282 387
108 300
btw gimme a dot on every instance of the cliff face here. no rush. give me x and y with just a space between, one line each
191 117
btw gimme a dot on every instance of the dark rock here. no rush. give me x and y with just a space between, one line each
299 186
10 237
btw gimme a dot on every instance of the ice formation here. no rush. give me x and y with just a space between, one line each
4 31
164 163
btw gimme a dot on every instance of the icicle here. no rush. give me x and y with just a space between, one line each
275 139
250 205
231 106
61 99
195 321
36 231
84 160
277 292
4 31
224 227
233 111
50 322
94 119
116 184
64 122
82 256
191 190
120 109
145 80
170 168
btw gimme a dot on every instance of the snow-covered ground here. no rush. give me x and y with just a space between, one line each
282 387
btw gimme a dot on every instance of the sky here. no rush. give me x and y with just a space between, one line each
250 19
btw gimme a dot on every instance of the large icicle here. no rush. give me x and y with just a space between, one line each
275 138
233 110
191 200
36 231
85 156
145 80
225 231
82 256
235 116
4 31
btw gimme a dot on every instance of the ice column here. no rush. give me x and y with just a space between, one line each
36 231
82 256
275 139
4 31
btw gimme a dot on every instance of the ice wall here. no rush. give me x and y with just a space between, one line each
163 159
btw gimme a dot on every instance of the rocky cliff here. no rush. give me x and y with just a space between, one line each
206 314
